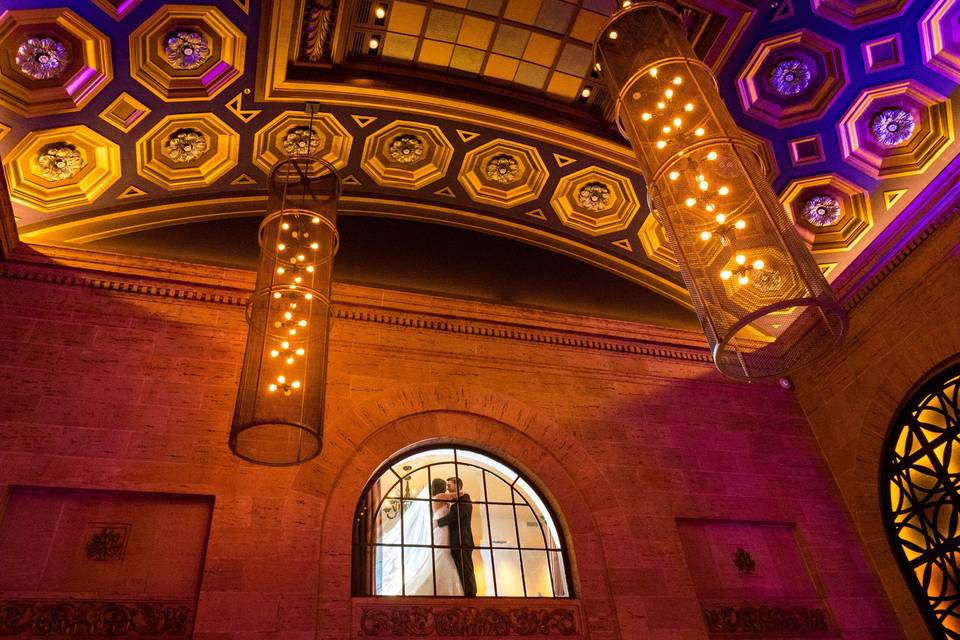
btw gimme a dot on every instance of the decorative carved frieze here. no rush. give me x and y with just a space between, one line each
318 20
86 618
750 619
427 621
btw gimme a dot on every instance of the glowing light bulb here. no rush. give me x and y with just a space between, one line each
301 351
381 13
298 279
285 226
723 190
740 258
612 35
704 185
743 279
666 129
295 384
674 175
661 105
699 131
292 332
758 264
740 224
653 72
315 246
274 353
709 208
585 93
677 122
706 235
646 116
720 218
277 295
725 274
690 202
281 270
374 43
310 268
281 247
308 296
678 80
712 155
668 93
282 379
288 316
688 107
301 257
285 345
290 360
272 387
302 323
315 220
661 144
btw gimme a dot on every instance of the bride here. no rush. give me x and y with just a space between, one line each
409 569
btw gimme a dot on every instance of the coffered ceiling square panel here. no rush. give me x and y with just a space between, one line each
407 155
187 151
503 173
294 133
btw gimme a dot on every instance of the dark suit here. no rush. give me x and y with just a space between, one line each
461 541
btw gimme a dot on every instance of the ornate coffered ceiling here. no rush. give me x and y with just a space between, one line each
483 114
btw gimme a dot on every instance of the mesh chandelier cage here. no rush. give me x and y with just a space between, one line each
764 305
278 418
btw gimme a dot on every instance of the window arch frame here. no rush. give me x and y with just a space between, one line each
933 380
359 545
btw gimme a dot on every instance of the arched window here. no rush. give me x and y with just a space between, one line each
920 491
417 534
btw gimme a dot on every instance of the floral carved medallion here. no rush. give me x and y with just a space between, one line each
790 77
301 141
891 127
595 197
60 163
42 58
406 149
186 50
503 169
821 211
185 146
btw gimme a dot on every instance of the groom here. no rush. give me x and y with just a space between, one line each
461 535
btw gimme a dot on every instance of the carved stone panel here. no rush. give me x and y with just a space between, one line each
442 620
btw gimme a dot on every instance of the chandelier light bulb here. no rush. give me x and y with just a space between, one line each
720 218
723 191
281 247
740 224
709 208
699 131
653 72
381 13
285 345
274 353
612 35
272 387
277 295
290 360
288 315
688 107
302 323
661 105
666 129
674 175
301 351
743 279
285 226
741 259
295 384
758 264
315 220
691 201
668 93
712 156
704 185
646 116
678 80
706 235
661 144
308 296
677 122
281 270
725 274
298 279
282 379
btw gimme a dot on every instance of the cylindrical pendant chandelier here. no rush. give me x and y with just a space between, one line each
762 301
278 418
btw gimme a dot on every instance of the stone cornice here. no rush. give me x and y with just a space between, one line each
180 281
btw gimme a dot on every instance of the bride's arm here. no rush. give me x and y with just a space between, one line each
447 495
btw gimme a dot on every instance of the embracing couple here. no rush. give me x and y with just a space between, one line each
452 517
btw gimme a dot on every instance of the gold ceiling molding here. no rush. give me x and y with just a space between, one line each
55 169
406 155
653 241
187 151
503 173
125 112
235 106
279 45
209 59
595 201
4 130
830 213
84 228
289 134
75 66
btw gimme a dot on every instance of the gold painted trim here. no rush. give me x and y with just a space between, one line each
81 230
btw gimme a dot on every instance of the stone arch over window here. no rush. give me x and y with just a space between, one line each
412 537
920 495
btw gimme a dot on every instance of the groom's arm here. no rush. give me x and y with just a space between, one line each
444 521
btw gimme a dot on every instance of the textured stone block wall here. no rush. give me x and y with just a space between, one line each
907 325
120 374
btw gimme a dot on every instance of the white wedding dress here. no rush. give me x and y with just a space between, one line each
408 569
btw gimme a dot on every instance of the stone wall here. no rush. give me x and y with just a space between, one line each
120 374
906 326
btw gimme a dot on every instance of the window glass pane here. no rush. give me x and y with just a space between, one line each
481 536
490 464
418 571
387 526
529 525
448 580
388 568
424 458
503 527
483 569
417 523
559 574
497 489
536 574
413 484
531 498
443 471
472 481
507 564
